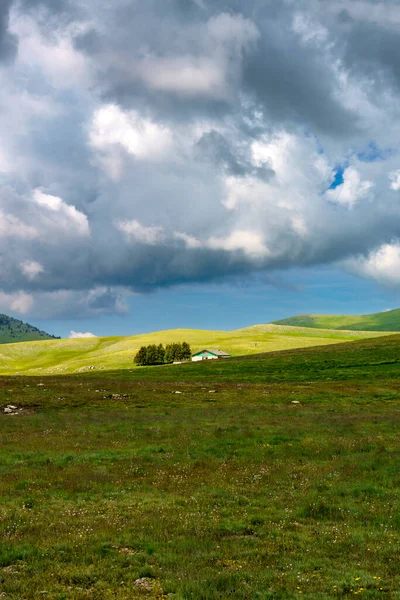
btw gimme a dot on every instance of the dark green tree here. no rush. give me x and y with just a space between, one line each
141 356
169 358
160 354
186 351
152 354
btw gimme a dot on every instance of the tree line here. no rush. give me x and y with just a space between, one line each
158 355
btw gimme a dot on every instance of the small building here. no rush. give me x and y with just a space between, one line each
210 355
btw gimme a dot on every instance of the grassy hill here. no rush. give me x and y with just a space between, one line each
384 321
283 483
75 355
14 330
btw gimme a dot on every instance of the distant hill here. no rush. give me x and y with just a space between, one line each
384 321
13 330
84 354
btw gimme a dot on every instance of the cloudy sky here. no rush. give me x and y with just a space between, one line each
197 163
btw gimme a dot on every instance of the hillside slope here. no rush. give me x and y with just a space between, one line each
13 330
384 321
75 355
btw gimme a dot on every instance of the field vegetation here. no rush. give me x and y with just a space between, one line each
384 321
79 355
269 476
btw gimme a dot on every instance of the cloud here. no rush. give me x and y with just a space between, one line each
394 178
8 42
65 213
31 269
75 335
54 55
137 232
145 146
382 265
113 129
12 226
19 302
250 242
351 190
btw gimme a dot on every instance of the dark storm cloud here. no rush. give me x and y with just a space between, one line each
372 50
169 142
288 91
60 7
289 80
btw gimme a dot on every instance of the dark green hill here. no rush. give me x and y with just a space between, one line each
384 321
13 330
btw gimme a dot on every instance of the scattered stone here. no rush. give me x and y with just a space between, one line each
295 402
147 585
8 411
12 407
39 385
212 391
177 392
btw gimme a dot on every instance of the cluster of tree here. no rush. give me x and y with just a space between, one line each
158 355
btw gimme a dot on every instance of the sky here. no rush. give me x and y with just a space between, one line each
188 163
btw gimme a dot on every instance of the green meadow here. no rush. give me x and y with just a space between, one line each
77 355
383 321
267 476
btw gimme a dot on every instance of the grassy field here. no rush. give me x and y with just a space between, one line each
384 321
270 476
77 355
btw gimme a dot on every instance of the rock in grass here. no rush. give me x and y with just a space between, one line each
12 407
295 402
148 585
8 411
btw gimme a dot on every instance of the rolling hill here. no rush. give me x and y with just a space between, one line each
76 355
13 330
384 321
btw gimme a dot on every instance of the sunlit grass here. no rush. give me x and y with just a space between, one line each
276 485
77 355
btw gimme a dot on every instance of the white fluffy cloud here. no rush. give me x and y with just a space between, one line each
66 215
382 264
137 232
250 242
112 128
78 335
394 178
351 190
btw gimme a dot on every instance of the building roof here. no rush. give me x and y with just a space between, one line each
215 352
